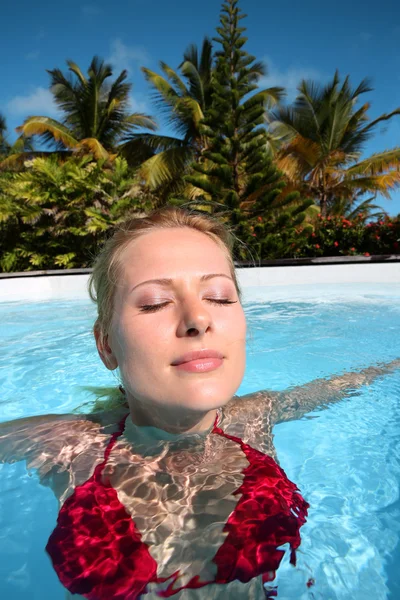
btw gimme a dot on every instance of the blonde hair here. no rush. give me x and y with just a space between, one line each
108 264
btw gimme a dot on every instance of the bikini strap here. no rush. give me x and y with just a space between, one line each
98 472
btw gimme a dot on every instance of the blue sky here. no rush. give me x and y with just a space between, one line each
307 39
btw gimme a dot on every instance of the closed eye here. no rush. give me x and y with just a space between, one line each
221 301
156 307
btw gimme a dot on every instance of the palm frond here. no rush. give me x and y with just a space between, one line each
206 61
139 147
41 126
384 117
192 111
164 90
141 121
382 184
92 146
73 67
196 90
365 207
376 163
157 143
362 88
162 168
174 77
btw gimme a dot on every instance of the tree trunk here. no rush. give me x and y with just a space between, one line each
323 205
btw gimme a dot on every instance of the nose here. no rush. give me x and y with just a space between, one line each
195 319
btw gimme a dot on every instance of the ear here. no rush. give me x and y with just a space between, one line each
104 350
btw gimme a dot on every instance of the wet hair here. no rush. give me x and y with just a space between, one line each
107 267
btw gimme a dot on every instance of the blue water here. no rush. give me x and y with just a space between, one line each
345 460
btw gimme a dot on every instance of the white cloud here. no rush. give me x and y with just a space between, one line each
38 102
288 78
126 57
137 104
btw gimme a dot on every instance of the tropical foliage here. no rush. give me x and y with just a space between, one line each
234 167
95 112
234 175
236 151
322 136
183 99
55 214
338 236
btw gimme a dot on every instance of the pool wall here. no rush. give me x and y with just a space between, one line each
49 285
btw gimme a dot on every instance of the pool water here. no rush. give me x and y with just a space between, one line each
345 460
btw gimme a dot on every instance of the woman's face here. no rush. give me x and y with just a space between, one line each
176 296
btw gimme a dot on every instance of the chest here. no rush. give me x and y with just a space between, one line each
179 488
180 500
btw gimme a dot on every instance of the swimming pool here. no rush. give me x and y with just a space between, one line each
345 460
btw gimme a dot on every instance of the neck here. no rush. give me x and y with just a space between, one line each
171 419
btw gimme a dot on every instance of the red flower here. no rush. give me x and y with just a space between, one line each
336 244
353 249
317 246
367 254
259 219
254 234
329 218
377 237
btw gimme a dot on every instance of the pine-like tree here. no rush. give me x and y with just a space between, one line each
235 175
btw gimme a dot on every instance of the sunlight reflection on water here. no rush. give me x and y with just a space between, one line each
345 460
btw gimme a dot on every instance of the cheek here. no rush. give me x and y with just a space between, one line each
138 341
235 326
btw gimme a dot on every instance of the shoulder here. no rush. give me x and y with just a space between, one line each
38 423
248 417
51 436
255 402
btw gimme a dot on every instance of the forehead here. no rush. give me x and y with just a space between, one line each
174 253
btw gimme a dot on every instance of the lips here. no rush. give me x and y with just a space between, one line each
203 354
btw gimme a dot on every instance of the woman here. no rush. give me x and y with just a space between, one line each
176 491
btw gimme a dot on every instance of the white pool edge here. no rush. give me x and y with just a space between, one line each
75 286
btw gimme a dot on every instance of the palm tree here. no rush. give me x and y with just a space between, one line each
321 137
95 111
183 100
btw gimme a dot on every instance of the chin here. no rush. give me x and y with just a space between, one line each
206 402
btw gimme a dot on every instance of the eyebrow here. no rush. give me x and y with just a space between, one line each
168 282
